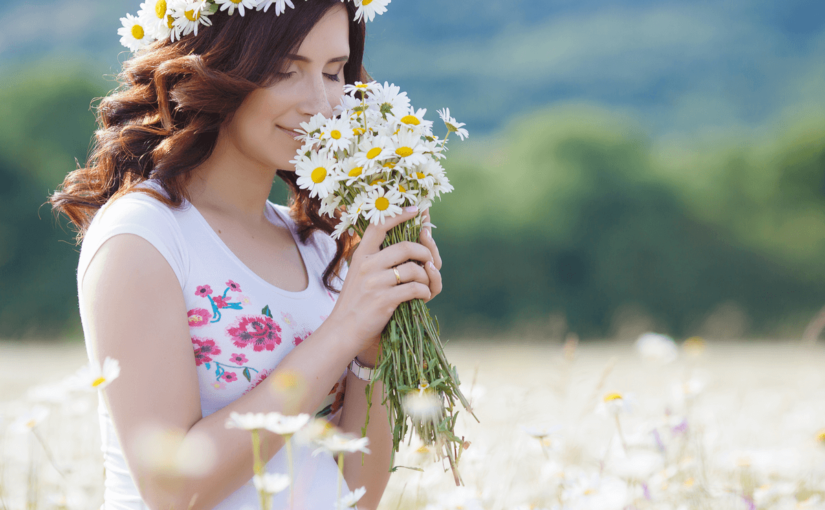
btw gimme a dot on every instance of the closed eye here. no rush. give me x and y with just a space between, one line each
330 77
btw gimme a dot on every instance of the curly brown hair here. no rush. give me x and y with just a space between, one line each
162 121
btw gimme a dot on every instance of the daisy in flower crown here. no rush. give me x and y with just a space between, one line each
173 19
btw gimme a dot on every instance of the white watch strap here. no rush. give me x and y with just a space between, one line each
362 372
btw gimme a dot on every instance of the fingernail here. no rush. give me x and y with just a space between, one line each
432 266
426 233
411 208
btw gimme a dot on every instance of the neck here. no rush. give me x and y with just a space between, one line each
232 184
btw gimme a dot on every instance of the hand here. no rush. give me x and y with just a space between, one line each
426 238
370 293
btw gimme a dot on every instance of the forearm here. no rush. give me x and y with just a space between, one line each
317 364
374 473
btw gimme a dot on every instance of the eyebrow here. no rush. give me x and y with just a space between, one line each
304 59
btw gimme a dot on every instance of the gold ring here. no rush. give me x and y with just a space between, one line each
397 276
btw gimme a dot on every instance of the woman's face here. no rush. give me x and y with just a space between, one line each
262 127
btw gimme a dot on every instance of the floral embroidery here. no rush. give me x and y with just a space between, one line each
219 385
300 337
221 302
229 376
260 331
324 317
287 318
261 377
198 317
238 358
221 372
204 350
244 299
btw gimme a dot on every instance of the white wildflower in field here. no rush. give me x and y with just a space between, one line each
342 443
175 452
246 421
657 348
285 425
315 430
29 420
271 483
351 499
614 404
93 376
422 405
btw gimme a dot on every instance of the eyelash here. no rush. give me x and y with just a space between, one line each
331 77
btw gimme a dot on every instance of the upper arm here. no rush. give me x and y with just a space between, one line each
135 312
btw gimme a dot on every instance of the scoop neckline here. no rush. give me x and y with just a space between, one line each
270 209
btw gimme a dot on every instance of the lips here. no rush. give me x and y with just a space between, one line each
290 132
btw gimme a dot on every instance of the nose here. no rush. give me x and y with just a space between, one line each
316 99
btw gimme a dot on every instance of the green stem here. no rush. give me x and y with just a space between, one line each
340 477
257 466
289 460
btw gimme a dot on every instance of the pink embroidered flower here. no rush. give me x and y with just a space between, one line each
229 376
198 317
219 385
300 337
203 290
220 302
238 359
204 350
244 299
286 317
233 286
261 377
258 330
324 317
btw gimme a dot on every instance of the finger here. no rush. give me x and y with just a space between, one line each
399 253
408 272
429 242
435 279
376 232
409 291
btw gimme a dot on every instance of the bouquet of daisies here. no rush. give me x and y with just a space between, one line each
375 156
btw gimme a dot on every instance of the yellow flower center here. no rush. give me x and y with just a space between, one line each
363 85
612 396
821 436
236 2
137 32
381 203
377 181
420 175
97 382
170 21
335 134
355 172
403 151
31 423
689 482
319 174
389 164
192 15
374 152
410 119
195 318
358 131
400 187
160 9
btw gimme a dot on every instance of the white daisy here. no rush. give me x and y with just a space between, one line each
382 204
339 443
405 192
247 421
316 173
350 172
422 406
347 105
372 151
280 5
412 118
388 98
189 14
341 227
423 175
157 18
231 5
285 425
349 500
329 204
133 34
356 209
93 376
312 129
442 185
338 134
271 483
408 148
369 8
359 87
29 420
453 126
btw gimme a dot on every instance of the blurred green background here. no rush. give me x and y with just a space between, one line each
631 166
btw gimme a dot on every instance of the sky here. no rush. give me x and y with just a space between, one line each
675 66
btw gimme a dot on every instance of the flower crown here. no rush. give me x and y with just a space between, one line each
159 19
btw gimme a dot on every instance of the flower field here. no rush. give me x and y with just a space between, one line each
601 425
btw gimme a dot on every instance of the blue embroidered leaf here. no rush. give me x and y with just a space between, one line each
236 306
208 366
246 374
267 312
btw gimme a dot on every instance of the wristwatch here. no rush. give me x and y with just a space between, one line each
362 372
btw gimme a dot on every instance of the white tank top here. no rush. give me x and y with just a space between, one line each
240 326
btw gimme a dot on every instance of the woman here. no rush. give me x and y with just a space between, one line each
203 289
